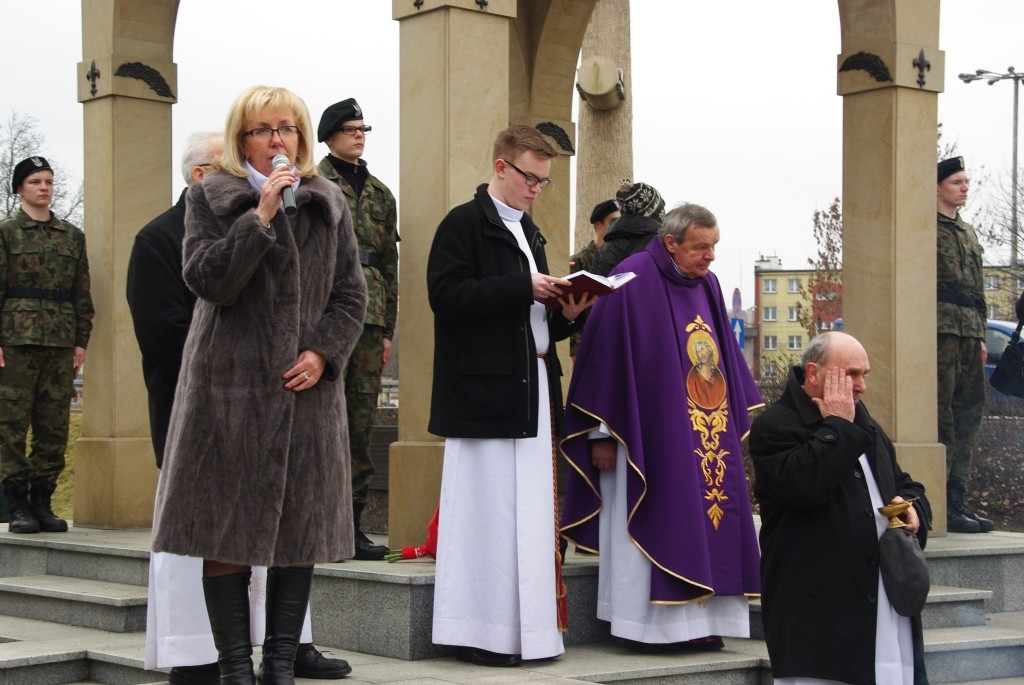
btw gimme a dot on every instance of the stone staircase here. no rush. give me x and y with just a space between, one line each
73 610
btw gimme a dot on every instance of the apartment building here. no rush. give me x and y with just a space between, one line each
778 338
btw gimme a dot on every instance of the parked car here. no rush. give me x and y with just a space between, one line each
996 338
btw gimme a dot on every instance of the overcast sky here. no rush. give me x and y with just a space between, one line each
734 101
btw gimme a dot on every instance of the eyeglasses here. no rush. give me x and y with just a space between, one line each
531 180
351 130
266 133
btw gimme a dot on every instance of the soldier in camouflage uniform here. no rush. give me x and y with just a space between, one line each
602 216
375 220
961 354
44 329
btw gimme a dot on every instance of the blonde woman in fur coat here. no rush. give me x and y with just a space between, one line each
256 470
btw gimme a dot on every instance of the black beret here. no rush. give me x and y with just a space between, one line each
948 167
603 209
26 168
335 115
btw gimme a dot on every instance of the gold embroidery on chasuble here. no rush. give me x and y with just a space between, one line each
708 409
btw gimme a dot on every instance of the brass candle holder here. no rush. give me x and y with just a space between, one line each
893 510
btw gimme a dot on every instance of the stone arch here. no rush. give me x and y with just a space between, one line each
468 68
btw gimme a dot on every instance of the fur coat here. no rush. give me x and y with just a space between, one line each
255 474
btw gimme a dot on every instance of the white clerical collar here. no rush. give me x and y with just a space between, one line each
507 213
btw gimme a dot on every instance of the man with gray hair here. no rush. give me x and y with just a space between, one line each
659 402
823 468
160 302
178 628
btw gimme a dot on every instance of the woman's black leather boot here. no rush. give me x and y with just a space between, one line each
287 598
227 603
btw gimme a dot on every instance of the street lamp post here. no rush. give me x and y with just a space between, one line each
992 77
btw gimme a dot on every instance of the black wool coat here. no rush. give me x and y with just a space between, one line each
255 474
819 544
485 360
161 306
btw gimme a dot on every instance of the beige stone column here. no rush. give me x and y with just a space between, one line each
605 152
125 83
890 83
454 99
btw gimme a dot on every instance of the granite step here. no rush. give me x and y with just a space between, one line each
992 651
112 556
76 655
113 607
957 655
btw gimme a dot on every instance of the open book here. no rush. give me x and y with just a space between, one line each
584 282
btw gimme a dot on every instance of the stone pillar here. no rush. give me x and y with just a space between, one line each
890 74
126 83
605 151
454 100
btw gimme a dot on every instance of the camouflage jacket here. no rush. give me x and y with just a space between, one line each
959 271
375 219
584 259
47 257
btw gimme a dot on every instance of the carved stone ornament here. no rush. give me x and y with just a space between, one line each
865 61
558 133
148 75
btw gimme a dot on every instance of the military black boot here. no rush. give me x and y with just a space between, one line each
20 518
366 550
39 502
4 514
984 525
958 519
227 603
287 598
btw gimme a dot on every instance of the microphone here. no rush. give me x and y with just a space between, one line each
287 193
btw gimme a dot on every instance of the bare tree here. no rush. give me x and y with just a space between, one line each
994 220
20 138
821 301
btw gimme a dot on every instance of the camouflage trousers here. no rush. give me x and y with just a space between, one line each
961 396
36 386
362 390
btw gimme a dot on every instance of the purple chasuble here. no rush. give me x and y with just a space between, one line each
659 366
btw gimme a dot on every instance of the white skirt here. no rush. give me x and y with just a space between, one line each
177 625
624 583
495 579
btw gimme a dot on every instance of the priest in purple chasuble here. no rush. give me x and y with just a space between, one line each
659 402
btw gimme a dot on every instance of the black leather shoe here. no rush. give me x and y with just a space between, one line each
207 674
366 550
711 643
481 657
310 663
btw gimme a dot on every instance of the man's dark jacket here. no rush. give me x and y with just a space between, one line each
819 544
161 306
628 235
485 360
